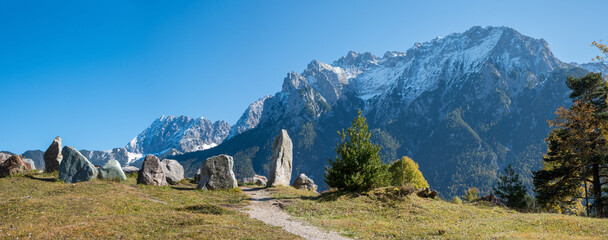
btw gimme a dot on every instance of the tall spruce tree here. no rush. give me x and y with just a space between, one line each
511 189
358 166
577 153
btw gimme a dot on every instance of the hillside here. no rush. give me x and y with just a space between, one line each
382 214
39 207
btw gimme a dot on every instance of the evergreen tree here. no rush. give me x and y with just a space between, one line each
577 147
358 166
510 189
404 171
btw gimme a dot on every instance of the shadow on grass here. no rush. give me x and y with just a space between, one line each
183 188
46 179
332 196
205 209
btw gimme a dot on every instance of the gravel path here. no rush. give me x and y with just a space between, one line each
265 208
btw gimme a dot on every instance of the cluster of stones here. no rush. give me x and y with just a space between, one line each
215 173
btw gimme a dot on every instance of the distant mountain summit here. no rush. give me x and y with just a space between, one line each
182 133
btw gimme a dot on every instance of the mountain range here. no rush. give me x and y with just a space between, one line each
462 106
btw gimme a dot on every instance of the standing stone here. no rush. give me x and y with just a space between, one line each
151 172
75 167
304 182
13 165
282 156
130 169
216 173
174 172
112 170
53 156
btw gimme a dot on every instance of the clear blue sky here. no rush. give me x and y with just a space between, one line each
97 73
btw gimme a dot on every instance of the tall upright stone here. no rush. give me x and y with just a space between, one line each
217 173
151 172
53 156
75 167
281 162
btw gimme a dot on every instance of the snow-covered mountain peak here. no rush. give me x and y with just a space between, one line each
250 118
181 132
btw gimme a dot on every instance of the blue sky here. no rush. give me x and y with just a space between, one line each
98 73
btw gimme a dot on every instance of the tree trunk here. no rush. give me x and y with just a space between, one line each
597 191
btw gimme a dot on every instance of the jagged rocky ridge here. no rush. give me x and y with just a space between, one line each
463 106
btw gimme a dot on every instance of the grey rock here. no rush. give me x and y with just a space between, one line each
174 172
13 165
151 172
130 169
112 170
256 179
53 156
217 173
30 162
304 182
75 167
281 165
250 118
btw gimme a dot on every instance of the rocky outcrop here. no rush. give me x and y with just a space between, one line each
53 156
256 179
217 173
12 166
75 167
174 172
281 163
130 169
304 182
112 171
151 172
426 193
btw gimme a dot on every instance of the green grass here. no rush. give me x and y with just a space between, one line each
41 207
382 215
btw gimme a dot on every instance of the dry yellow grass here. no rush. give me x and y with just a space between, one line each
372 216
39 207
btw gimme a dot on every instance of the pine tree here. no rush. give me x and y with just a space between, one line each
358 166
577 147
510 189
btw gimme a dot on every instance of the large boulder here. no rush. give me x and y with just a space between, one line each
151 172
216 173
256 179
12 166
174 172
112 170
130 169
304 182
53 156
75 167
281 162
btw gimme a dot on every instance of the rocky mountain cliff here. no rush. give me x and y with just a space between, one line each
462 106
183 133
